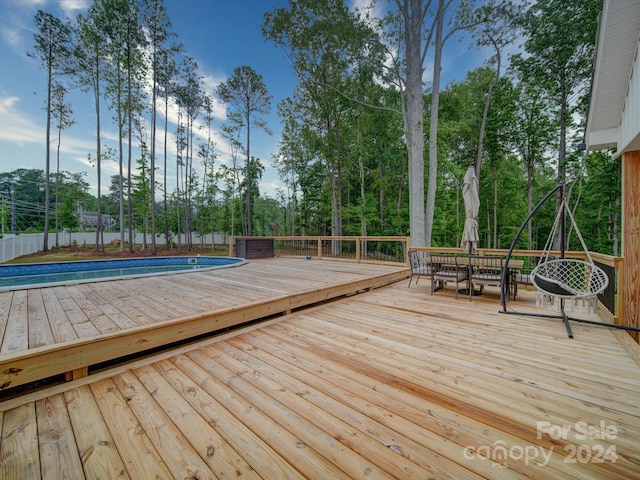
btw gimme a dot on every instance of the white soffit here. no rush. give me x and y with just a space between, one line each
616 51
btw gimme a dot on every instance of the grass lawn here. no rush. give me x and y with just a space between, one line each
88 252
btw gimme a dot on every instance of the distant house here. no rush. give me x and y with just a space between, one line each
89 220
614 122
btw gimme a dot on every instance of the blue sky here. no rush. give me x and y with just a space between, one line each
219 34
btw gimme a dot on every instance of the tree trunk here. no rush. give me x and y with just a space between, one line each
529 205
485 115
47 179
99 229
58 181
363 197
495 207
433 127
382 201
129 152
152 161
166 186
562 147
248 180
414 125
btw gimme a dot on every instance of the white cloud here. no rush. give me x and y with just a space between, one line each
10 36
270 188
29 4
71 7
374 8
210 83
15 127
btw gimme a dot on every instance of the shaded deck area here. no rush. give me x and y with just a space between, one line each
390 383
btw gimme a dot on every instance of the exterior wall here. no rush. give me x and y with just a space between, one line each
630 298
630 122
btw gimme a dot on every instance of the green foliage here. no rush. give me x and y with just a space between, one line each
248 97
342 156
598 212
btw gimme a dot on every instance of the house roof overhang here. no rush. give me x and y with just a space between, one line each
614 111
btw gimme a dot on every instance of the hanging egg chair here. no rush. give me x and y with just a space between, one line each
567 278
562 278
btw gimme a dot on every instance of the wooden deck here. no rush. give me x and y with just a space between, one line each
389 383
46 332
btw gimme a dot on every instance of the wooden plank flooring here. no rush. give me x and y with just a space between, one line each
46 332
390 383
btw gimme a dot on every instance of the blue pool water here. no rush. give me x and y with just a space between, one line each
33 275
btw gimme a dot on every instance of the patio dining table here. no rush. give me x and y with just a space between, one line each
449 264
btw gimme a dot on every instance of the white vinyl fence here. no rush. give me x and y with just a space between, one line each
12 246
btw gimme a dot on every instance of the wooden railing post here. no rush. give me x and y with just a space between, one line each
619 313
319 248
358 249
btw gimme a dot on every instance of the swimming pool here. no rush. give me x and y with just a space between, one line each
34 275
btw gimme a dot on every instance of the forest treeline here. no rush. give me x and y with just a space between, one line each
351 159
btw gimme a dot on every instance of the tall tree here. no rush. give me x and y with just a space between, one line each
461 19
415 27
190 98
498 144
206 152
326 44
167 71
291 159
62 113
231 175
90 57
498 31
111 22
136 70
533 134
119 23
53 47
560 43
74 191
415 32
158 25
141 185
248 96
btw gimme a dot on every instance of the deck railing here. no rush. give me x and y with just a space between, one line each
395 250
612 266
357 249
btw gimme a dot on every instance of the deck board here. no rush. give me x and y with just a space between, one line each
390 383
5 307
16 334
61 327
98 451
68 329
59 456
40 333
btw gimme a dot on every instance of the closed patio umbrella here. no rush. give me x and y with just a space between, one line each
471 206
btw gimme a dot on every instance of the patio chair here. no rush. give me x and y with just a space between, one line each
420 265
447 268
485 270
